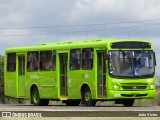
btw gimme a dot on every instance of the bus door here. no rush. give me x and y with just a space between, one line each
63 59
101 73
21 75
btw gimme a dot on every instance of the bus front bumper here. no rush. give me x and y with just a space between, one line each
148 94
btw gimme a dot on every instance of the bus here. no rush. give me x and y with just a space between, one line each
82 72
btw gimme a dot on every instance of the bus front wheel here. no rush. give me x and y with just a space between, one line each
87 97
35 98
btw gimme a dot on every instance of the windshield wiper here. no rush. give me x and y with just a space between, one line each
140 55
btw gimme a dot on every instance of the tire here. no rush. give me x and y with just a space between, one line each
128 103
87 98
35 98
72 102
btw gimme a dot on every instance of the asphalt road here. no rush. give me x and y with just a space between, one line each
8 107
82 111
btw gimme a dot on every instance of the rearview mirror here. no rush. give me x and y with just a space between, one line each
154 58
106 56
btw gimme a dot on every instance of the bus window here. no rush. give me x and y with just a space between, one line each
75 59
45 60
33 61
87 59
11 62
54 61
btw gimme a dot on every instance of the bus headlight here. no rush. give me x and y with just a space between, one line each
151 86
116 87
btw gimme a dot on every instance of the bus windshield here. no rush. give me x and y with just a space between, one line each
132 63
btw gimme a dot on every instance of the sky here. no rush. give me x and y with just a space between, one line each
30 22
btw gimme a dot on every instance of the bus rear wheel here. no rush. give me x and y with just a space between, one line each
35 98
87 98
128 103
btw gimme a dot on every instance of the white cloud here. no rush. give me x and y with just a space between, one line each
7 39
114 10
22 13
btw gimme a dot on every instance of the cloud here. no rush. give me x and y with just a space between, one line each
114 10
18 13
12 41
13 12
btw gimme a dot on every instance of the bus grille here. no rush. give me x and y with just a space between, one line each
134 87
134 95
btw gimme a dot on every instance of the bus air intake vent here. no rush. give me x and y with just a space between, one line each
134 95
134 87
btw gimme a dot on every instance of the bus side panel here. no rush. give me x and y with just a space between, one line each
11 84
76 80
48 87
46 83
74 84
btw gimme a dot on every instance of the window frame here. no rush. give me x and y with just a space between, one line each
33 62
46 60
53 68
91 59
12 62
75 59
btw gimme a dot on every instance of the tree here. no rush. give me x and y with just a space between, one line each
2 78
1 70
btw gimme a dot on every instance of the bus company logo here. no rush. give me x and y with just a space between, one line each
6 114
34 76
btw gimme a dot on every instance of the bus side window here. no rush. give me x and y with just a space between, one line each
75 59
87 58
45 60
32 61
54 61
11 62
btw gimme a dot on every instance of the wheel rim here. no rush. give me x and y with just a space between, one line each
88 97
35 96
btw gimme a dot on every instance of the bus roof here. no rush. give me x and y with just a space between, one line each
105 42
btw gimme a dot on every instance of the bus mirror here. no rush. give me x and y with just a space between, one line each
107 56
155 63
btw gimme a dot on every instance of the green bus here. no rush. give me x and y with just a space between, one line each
82 72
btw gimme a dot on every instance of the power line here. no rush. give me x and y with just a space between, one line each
80 25
84 30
